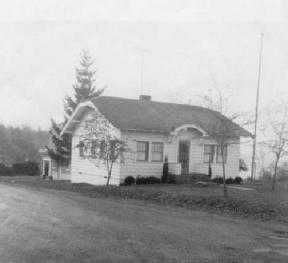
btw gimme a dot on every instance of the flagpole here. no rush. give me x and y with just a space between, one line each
256 109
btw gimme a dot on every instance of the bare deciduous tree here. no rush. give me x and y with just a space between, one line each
220 99
101 141
262 153
278 144
222 133
217 99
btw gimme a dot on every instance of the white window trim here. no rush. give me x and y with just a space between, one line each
163 153
226 161
215 154
149 149
203 151
149 159
79 151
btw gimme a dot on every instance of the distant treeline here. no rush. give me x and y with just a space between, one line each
26 168
18 145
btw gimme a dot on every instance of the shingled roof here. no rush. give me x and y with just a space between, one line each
152 116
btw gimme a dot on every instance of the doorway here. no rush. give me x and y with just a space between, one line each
183 156
46 168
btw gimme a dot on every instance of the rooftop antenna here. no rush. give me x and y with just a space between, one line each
253 166
142 52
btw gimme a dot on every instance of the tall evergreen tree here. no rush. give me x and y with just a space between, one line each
61 145
84 89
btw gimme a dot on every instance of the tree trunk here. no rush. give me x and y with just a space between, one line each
108 179
109 170
275 174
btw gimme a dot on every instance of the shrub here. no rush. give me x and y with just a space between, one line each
238 180
129 180
153 180
147 180
171 179
140 180
165 173
218 180
5 170
229 181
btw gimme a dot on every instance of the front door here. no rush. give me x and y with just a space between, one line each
46 165
183 156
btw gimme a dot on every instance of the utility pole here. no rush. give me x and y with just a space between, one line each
256 110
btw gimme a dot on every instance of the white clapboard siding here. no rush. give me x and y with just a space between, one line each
197 164
174 168
131 167
61 172
89 171
95 172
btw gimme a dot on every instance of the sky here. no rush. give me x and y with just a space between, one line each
187 46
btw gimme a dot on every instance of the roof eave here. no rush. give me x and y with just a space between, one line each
145 131
73 121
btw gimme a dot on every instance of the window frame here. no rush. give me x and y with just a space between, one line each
93 148
146 152
152 152
81 149
218 155
213 156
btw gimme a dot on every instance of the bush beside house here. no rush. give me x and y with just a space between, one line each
168 178
129 180
238 180
219 180
148 180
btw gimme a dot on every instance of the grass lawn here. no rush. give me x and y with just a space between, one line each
259 202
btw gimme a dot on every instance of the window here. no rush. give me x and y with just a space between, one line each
157 151
93 148
102 149
142 151
219 157
209 150
81 148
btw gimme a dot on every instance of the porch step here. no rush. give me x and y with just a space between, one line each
192 178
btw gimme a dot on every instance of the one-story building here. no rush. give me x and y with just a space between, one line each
155 131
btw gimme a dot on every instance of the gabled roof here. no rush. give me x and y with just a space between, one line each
152 116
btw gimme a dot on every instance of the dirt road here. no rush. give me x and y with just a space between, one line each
54 226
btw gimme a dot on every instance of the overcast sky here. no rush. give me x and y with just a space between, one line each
189 46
